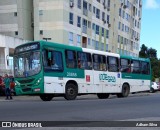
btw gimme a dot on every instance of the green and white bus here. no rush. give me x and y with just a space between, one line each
50 69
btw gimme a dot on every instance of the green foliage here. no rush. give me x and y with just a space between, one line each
155 63
143 51
146 52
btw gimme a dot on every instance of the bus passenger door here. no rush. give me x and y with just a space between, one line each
85 65
89 88
112 76
53 70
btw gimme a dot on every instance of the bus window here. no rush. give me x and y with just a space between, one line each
96 62
53 60
145 68
135 66
103 66
99 62
112 64
84 60
70 59
125 65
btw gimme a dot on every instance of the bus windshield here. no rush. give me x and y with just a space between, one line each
27 64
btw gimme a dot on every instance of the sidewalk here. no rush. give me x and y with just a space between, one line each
83 97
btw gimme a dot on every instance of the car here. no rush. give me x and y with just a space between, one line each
154 87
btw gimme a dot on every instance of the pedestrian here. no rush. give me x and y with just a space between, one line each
7 87
1 85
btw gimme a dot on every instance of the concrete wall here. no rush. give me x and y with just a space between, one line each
10 22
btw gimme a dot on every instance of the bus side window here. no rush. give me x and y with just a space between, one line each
99 62
89 61
103 66
47 58
53 60
135 66
113 64
125 65
84 60
71 60
145 68
96 65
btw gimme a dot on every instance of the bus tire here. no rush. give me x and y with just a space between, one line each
125 91
71 91
152 90
46 97
102 95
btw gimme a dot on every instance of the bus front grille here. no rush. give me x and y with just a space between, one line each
27 85
26 81
26 89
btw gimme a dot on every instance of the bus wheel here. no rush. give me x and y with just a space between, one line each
102 95
152 90
46 97
71 92
125 91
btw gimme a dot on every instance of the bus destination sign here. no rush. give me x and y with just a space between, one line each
27 47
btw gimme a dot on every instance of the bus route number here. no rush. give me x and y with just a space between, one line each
70 74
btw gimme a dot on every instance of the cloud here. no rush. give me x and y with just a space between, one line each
152 4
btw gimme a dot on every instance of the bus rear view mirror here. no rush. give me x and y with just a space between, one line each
49 55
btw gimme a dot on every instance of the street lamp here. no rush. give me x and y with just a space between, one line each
46 38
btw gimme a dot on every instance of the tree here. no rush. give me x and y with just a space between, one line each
155 67
152 53
155 63
143 52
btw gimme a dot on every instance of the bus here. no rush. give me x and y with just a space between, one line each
50 69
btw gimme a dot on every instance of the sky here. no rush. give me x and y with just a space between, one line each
150 25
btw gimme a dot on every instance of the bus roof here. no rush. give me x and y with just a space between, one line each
100 52
60 45
135 58
51 44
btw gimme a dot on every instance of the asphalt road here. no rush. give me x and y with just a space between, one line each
136 108
85 108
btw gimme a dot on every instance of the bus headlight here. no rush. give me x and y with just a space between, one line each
38 81
17 83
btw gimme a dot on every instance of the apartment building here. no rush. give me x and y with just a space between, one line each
128 26
16 18
16 24
73 22
107 25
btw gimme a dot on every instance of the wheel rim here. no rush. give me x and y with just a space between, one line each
71 92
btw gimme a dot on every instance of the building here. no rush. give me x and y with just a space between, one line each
16 18
127 26
73 22
7 45
107 25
